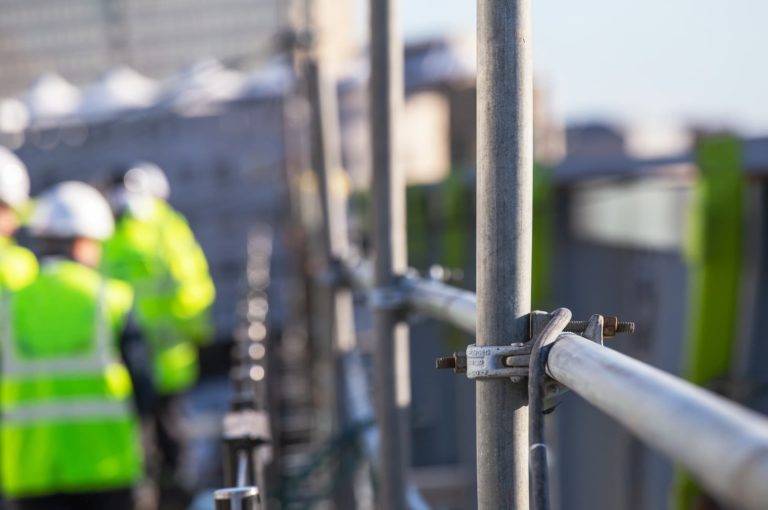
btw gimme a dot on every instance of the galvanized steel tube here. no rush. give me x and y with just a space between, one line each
504 225
723 445
437 300
338 313
434 299
391 375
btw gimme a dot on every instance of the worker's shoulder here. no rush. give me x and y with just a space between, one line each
166 212
117 294
68 273
78 277
175 228
131 225
60 281
18 267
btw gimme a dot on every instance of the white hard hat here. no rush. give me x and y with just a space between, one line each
145 178
14 180
72 209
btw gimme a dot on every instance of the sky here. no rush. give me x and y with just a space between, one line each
650 61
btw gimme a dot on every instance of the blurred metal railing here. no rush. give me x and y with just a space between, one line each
246 427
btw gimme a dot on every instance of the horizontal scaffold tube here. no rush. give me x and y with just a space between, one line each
432 298
437 300
723 445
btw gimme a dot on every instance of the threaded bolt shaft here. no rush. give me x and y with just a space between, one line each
612 326
458 362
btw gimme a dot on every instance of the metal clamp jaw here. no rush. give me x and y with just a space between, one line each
495 361
498 361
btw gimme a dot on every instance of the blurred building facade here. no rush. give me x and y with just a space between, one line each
80 39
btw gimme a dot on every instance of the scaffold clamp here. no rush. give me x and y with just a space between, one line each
512 361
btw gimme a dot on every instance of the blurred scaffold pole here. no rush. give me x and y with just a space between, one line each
337 307
391 356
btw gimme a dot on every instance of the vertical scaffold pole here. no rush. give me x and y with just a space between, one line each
333 184
392 390
504 212
333 187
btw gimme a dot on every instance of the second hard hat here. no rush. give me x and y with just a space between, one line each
14 180
72 209
147 178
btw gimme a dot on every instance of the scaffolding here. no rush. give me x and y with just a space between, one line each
521 357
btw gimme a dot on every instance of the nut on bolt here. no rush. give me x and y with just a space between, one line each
457 361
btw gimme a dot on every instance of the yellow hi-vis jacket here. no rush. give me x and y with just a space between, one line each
157 253
67 422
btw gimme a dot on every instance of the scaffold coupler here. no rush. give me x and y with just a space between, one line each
527 359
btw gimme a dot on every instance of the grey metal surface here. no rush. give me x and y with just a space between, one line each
326 157
723 445
435 299
504 199
391 338
339 310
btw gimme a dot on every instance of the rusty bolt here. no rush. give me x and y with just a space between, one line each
611 326
457 361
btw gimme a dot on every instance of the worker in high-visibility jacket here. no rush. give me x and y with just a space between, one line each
18 266
155 250
69 434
